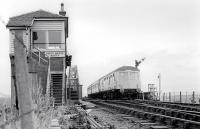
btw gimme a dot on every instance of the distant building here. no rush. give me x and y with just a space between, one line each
44 36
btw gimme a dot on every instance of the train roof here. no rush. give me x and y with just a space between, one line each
123 68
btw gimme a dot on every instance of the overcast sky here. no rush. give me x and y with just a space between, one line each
107 34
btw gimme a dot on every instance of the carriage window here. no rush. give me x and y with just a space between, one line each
131 76
124 75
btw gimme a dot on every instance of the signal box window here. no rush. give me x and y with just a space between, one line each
54 37
47 38
39 39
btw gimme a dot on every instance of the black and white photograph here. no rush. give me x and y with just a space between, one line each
100 64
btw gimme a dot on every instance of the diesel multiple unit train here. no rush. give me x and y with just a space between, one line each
122 83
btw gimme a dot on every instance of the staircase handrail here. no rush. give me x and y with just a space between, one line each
39 54
48 81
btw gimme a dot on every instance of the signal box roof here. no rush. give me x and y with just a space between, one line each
25 20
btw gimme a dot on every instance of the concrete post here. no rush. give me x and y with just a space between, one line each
174 97
193 97
167 99
24 92
163 96
159 77
169 96
142 95
186 98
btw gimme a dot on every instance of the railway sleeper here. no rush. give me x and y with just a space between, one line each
142 115
128 112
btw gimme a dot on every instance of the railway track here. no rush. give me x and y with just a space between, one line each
183 114
184 104
173 117
180 106
188 109
90 119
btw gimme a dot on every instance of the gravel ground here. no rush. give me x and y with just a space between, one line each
108 117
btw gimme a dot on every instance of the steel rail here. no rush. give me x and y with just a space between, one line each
91 121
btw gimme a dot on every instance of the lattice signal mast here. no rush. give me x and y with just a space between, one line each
74 89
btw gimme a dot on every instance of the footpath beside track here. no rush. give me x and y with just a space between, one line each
168 115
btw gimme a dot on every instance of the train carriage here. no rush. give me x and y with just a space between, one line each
123 82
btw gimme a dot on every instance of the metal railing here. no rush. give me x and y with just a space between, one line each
40 56
181 97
